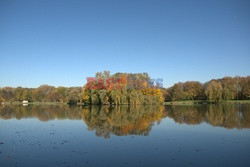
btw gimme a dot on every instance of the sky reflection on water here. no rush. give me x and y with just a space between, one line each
204 135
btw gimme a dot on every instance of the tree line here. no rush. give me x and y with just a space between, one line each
140 91
227 88
43 93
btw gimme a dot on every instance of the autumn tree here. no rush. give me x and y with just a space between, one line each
177 92
1 100
75 95
214 91
124 88
8 93
193 90
245 88
229 86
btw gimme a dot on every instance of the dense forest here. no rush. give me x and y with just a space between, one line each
126 88
122 88
44 93
227 88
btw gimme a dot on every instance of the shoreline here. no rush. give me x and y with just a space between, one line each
184 102
195 102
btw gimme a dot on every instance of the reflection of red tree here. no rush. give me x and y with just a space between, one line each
122 120
142 124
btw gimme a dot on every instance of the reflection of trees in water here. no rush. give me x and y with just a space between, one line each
228 116
137 120
122 120
42 112
186 114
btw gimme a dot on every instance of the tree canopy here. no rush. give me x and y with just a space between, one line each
227 88
133 89
122 89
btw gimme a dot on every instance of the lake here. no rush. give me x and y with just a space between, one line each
198 135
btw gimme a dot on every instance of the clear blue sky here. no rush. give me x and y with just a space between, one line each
61 42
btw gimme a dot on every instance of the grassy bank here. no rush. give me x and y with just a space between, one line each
237 101
193 102
34 103
184 102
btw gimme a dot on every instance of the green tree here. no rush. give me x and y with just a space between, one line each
177 92
214 91
245 88
229 88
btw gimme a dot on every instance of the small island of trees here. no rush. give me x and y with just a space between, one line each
130 89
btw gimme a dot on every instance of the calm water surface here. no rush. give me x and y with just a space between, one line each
202 135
